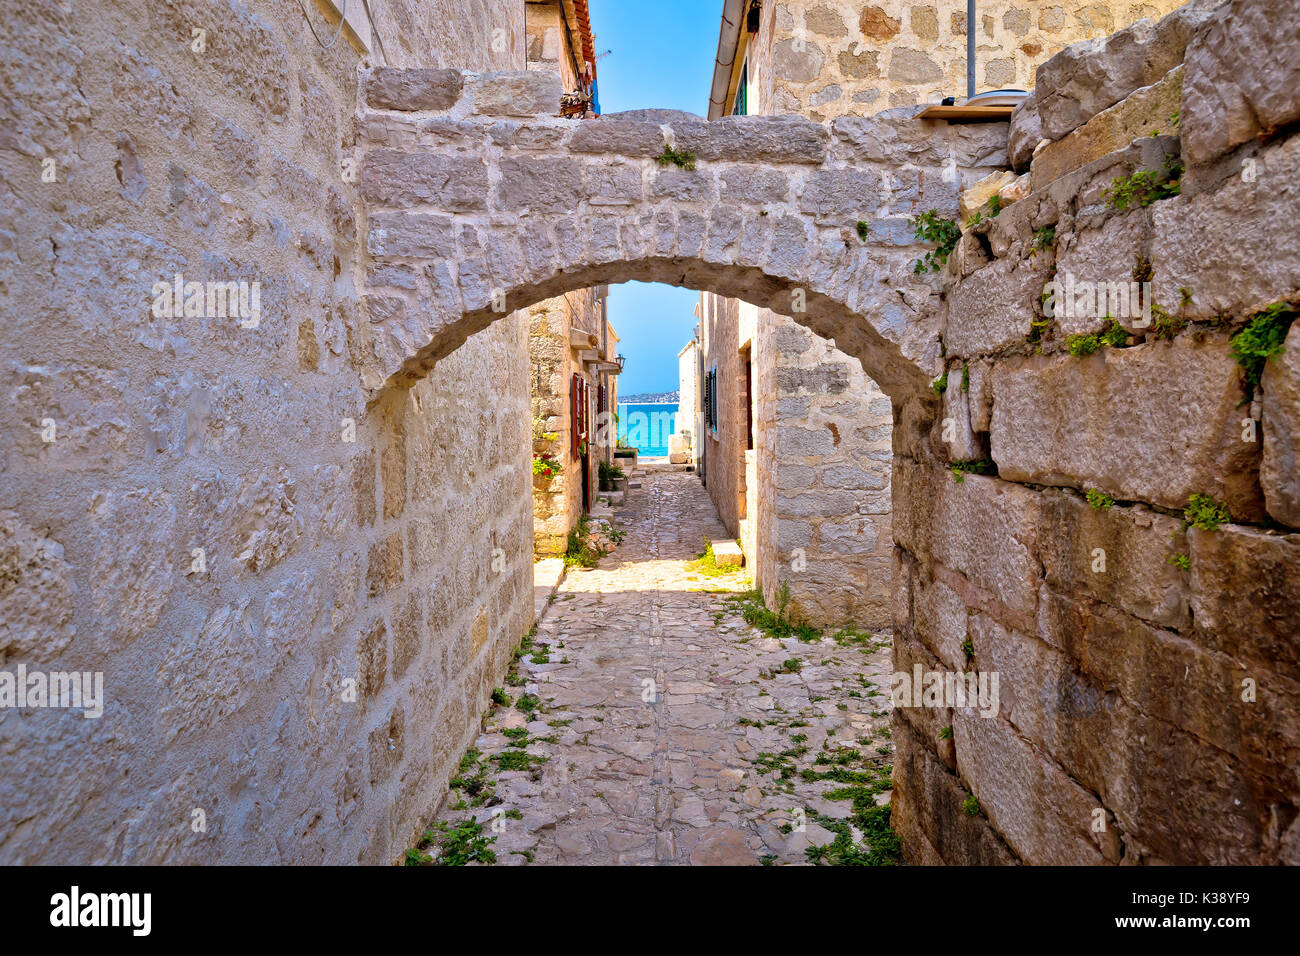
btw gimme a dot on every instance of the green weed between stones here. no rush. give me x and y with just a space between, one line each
1099 500
671 157
976 466
1114 335
1263 338
458 845
1145 187
944 233
971 805
940 384
882 846
1205 513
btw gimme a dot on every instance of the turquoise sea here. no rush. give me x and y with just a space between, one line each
647 427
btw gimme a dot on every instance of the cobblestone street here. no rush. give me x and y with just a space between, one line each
668 729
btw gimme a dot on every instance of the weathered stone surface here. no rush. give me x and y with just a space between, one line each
993 309
1280 472
1043 815
1087 77
1105 260
771 139
1026 129
1087 423
520 93
624 137
1213 244
399 179
1246 596
1132 572
1242 73
412 235
927 808
390 88
1143 112
549 185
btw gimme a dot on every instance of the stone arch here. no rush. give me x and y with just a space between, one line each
478 201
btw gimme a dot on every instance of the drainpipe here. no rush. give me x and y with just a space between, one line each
733 12
970 49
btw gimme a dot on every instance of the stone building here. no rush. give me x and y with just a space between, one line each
573 350
299 590
808 497
572 346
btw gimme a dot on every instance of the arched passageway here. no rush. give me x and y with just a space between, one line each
478 203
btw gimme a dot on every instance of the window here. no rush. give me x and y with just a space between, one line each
711 400
742 91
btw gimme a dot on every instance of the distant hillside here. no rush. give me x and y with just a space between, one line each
649 398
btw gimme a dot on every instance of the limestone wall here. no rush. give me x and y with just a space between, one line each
1150 689
828 58
557 502
298 591
827 458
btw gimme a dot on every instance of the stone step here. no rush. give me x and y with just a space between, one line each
727 554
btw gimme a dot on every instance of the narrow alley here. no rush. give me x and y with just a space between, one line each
648 723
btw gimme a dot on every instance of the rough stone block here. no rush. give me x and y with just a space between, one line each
727 554
392 88
1091 423
606 135
1141 113
400 179
518 93
1228 246
1043 815
754 139
1087 77
1243 71
926 811
1026 129
1246 596
549 185
993 309
1136 577
1280 473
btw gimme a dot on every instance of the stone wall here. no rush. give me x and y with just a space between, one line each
557 502
724 447
298 590
826 455
828 58
1150 701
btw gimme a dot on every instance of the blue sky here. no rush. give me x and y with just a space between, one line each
663 58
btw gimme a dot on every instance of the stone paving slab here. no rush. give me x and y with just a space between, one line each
670 731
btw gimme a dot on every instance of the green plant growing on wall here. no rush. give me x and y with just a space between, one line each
944 233
1205 513
458 845
1044 239
945 733
1263 338
940 384
1181 560
671 157
975 466
971 805
546 466
864 230
1114 336
1099 500
1145 187
968 648
965 378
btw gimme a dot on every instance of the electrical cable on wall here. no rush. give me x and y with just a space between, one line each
343 15
374 32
